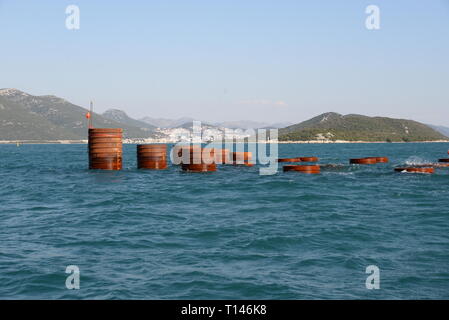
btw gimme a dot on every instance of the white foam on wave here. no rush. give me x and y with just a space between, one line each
415 161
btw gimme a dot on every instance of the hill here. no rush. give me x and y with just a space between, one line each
27 117
166 123
333 126
121 117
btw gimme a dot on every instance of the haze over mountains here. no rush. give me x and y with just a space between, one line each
441 129
242 124
49 118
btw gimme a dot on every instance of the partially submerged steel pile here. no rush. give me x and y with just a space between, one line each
415 170
242 158
369 160
105 149
105 152
152 156
310 169
197 159
425 168
299 159
313 169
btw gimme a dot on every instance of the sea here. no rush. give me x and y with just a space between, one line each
351 232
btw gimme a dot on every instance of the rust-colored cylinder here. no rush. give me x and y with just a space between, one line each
153 165
379 159
111 163
242 156
363 161
95 135
198 156
222 156
152 156
106 130
310 159
104 140
289 160
314 169
199 167
105 148
105 155
178 150
415 170
94 145
187 149
152 147
242 159
243 163
146 157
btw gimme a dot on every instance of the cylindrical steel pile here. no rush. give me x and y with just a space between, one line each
369 160
105 149
222 156
242 158
363 161
197 159
152 156
309 159
315 169
415 170
299 159
289 160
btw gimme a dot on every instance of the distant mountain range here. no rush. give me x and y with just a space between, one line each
334 126
166 123
28 117
121 117
242 124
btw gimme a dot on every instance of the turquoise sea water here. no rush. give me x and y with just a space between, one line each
232 234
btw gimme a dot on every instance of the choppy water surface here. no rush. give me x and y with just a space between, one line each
230 234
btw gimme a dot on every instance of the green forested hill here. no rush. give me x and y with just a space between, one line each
27 117
353 127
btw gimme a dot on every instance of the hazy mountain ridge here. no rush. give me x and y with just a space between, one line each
334 126
441 129
121 117
239 124
166 123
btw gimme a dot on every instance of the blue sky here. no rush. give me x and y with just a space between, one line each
232 60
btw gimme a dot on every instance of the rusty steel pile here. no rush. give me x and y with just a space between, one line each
105 153
105 149
152 156
197 159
